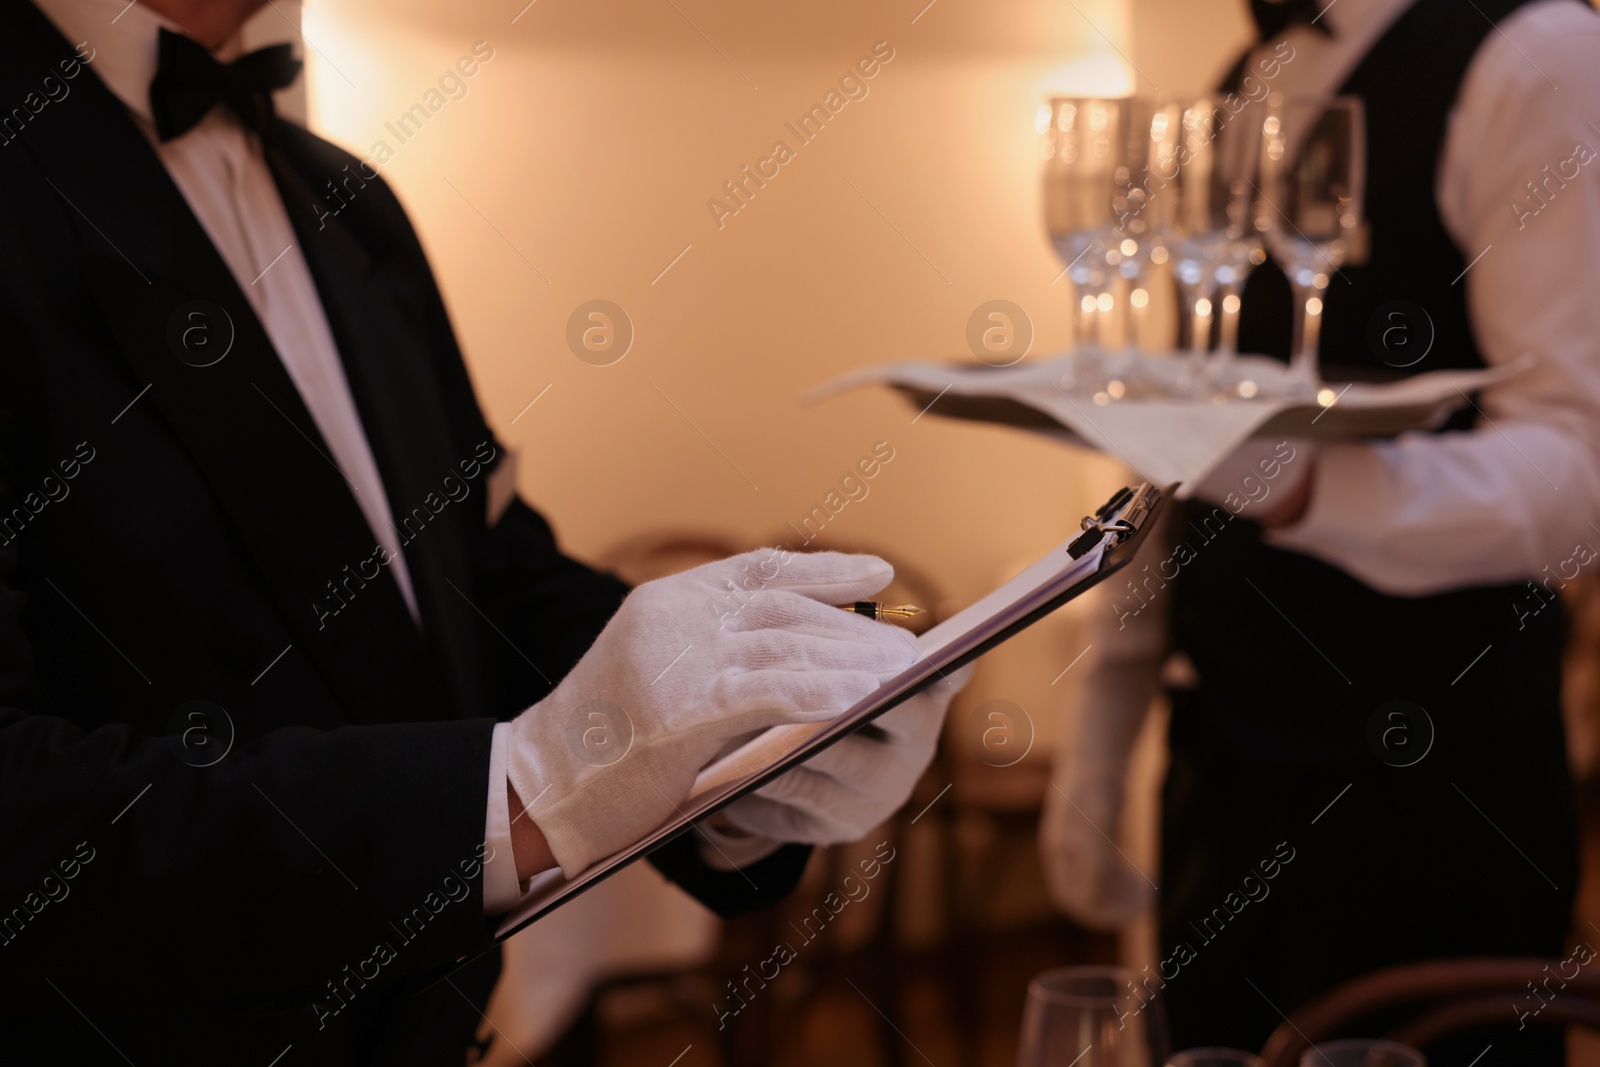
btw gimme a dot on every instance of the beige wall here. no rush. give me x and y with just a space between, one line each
1187 45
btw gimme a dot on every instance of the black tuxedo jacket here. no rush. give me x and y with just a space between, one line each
174 533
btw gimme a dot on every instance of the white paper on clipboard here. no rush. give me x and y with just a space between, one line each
1051 581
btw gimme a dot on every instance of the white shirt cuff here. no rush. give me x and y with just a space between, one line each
501 891
724 852
1344 520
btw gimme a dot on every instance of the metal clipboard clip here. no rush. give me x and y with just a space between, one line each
1116 519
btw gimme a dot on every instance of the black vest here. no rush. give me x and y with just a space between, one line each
1296 657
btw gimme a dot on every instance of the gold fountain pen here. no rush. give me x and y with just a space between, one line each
882 612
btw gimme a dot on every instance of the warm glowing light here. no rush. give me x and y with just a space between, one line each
1158 255
1271 126
1041 118
1202 307
1129 246
1087 303
1116 389
1247 389
333 108
1230 303
1102 399
1314 306
1104 302
1097 74
1320 281
1327 397
1139 298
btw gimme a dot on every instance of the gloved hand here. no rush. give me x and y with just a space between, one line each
1087 874
855 784
689 664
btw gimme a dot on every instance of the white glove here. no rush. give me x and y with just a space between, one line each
689 664
855 784
1258 474
1086 872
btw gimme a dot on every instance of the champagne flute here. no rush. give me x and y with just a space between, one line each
1092 1017
1313 169
1362 1053
1216 191
1184 164
1140 233
1083 146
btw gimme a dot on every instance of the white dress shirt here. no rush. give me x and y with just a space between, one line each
219 168
1425 513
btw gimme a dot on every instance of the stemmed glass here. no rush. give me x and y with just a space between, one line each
1092 1017
1084 146
1211 183
1313 169
1138 210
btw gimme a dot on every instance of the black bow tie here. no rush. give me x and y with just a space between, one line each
1274 16
189 82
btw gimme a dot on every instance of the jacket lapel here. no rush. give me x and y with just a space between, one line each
378 307
149 264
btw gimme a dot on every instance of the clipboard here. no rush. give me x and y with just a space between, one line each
1105 543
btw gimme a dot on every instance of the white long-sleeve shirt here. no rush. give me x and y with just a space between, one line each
1429 512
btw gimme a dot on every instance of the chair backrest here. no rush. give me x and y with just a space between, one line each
1465 988
1477 1013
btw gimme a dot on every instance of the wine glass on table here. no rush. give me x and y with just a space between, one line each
1084 144
1092 1017
1211 227
1313 169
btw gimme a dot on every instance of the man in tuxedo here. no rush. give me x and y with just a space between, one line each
271 613
1367 756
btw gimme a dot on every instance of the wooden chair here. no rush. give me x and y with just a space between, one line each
1449 997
